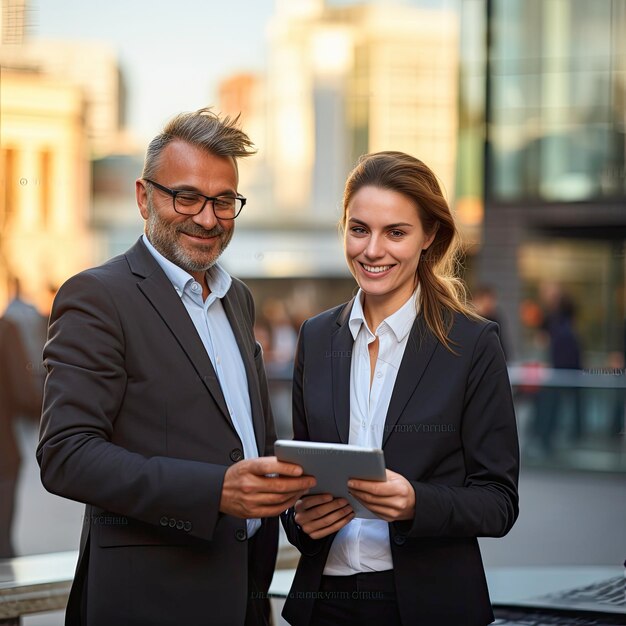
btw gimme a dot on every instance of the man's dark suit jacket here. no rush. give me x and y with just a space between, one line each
136 426
450 430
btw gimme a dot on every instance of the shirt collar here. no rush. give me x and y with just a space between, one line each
399 322
218 279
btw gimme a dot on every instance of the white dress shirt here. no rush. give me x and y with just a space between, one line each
217 336
363 544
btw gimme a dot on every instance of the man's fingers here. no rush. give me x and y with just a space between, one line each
265 510
282 484
271 465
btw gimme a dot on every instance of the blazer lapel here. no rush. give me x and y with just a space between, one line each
232 307
417 354
161 294
341 357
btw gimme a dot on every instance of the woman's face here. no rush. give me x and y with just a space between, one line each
384 239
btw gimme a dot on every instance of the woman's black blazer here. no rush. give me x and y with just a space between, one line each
450 430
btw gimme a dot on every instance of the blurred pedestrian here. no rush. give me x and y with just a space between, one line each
485 301
32 328
18 396
564 353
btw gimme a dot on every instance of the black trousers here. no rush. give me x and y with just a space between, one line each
360 600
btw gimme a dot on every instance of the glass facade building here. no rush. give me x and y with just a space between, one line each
542 144
556 100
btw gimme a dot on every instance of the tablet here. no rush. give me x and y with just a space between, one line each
333 464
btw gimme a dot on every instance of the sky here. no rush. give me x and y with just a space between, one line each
172 52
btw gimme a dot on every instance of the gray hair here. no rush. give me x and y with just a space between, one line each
203 129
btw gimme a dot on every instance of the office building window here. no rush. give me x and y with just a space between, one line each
558 104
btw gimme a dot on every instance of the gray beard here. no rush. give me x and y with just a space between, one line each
161 236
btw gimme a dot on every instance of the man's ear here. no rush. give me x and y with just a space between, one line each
141 193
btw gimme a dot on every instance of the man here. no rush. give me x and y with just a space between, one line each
156 406
31 325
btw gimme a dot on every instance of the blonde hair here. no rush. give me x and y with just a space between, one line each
442 292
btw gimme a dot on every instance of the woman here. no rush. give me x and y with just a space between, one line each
408 367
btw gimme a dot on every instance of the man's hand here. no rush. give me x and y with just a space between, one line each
392 500
321 515
249 492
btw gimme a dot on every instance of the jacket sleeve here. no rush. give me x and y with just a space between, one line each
84 392
487 504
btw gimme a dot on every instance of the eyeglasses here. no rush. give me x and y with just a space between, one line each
191 203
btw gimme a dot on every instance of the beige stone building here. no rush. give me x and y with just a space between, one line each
45 182
348 80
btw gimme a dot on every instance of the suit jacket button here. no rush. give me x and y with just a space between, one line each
399 540
180 524
172 523
164 521
240 534
236 455
187 526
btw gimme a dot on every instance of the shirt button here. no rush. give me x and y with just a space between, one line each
195 287
379 375
218 360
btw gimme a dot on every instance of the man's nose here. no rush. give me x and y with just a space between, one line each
206 218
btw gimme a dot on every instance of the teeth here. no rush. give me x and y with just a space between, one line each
376 269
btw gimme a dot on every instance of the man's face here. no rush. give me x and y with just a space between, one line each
193 242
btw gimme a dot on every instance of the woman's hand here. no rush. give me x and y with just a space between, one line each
322 515
393 500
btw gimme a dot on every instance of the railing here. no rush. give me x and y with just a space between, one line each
568 419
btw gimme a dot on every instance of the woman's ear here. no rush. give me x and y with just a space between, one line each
430 238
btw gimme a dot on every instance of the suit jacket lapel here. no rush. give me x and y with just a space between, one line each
161 294
232 307
417 354
341 358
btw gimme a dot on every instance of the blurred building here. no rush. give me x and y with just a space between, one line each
342 80
61 105
92 66
346 80
44 174
542 140
13 21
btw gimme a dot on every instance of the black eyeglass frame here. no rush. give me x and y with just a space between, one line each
175 192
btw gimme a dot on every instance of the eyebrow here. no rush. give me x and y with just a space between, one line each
398 225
